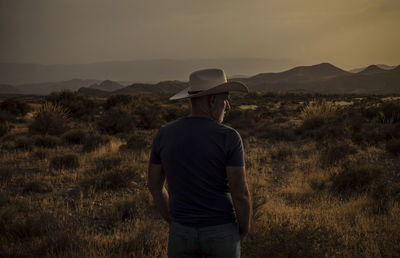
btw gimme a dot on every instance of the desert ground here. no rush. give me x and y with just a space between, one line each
323 172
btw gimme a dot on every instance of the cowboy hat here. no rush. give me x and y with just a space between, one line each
207 82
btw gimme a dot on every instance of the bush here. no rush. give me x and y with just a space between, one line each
116 120
336 152
138 141
37 186
356 178
393 146
5 174
116 100
24 143
47 141
51 119
135 206
390 112
4 128
75 136
80 106
93 142
108 163
112 179
15 106
282 153
67 161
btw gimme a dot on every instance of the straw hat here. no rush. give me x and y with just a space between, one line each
207 82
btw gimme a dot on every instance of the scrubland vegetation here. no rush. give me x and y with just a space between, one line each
323 171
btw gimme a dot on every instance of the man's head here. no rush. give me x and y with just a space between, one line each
209 82
213 106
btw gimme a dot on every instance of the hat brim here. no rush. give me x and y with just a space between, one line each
225 87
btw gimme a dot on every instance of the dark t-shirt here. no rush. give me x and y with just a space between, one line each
194 152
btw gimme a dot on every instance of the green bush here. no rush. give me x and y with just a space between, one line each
393 146
117 120
37 186
356 178
66 161
135 206
94 142
15 106
138 141
47 141
108 163
112 179
80 106
51 119
24 143
116 100
4 128
75 136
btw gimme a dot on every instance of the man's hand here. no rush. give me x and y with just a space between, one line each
155 183
240 197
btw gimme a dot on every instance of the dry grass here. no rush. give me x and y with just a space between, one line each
99 206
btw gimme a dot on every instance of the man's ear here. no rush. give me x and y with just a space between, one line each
211 101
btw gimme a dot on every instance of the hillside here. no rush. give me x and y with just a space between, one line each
107 85
48 87
326 78
8 89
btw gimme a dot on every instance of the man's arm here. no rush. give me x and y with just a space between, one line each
240 196
155 183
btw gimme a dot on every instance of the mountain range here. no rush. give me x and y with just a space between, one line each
321 78
145 71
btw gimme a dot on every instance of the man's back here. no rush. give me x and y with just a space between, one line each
194 152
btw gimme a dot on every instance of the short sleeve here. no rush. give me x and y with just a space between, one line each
235 154
155 157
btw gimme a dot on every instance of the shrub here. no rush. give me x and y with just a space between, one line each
138 141
67 161
316 113
80 106
149 115
51 119
112 179
393 146
356 178
75 136
37 186
116 100
47 141
4 128
390 112
24 143
94 141
281 153
135 206
108 163
116 120
5 174
336 152
15 106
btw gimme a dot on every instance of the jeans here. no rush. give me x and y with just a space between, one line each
214 241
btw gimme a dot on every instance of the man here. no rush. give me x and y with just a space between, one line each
207 203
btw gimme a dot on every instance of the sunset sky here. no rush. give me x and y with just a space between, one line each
347 33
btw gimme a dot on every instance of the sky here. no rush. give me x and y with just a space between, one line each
347 33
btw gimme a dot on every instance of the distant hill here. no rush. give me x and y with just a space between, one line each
382 66
326 78
107 85
144 71
322 78
48 87
161 87
8 89
94 92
